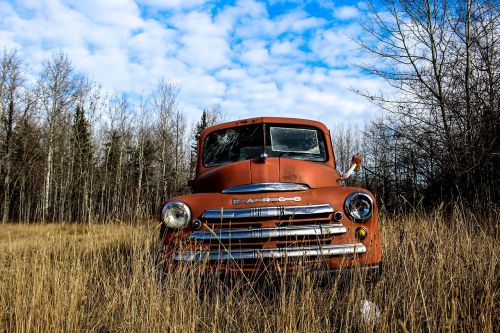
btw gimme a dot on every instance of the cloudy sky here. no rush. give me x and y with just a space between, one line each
286 58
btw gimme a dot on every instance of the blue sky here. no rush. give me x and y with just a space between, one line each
286 58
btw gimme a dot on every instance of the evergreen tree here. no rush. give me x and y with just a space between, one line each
82 164
28 156
81 139
200 126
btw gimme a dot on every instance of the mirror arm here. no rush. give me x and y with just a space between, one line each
355 166
345 175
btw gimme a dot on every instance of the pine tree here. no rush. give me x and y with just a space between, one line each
82 163
28 156
200 126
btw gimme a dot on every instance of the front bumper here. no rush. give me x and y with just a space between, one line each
274 253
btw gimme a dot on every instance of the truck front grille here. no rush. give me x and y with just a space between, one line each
267 233
266 212
264 233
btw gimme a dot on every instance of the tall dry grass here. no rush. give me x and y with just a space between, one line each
439 275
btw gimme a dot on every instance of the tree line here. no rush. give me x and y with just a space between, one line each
70 152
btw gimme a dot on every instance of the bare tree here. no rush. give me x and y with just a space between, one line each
11 82
442 60
58 89
164 107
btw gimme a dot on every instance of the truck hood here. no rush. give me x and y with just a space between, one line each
269 170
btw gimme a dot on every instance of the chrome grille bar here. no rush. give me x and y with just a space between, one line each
266 187
288 231
256 212
222 254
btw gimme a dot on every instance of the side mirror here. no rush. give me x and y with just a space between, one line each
356 162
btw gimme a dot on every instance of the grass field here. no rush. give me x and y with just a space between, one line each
439 275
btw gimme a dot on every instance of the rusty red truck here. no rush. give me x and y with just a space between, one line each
266 193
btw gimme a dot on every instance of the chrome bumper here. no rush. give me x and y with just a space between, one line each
223 254
288 231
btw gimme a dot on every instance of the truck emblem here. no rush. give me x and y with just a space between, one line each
280 199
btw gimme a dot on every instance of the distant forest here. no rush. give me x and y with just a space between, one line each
70 152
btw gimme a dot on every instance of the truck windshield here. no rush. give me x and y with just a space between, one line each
247 142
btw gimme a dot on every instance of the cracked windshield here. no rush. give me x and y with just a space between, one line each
247 142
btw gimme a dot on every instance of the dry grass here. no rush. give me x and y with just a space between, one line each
440 275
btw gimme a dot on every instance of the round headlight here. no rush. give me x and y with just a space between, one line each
176 214
358 206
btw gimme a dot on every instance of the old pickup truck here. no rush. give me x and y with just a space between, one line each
267 196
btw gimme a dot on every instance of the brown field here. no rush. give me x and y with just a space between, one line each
439 275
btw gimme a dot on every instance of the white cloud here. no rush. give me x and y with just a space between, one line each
173 4
260 24
117 13
346 12
256 57
283 48
207 89
232 74
336 47
204 43
7 36
307 23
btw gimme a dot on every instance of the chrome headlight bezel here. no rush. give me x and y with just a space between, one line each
176 205
358 197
